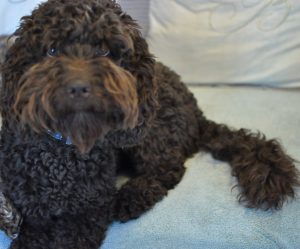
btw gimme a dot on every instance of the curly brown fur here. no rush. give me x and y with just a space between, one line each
83 69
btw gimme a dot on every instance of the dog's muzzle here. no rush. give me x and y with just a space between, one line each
83 99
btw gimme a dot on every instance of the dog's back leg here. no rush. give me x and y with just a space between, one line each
266 175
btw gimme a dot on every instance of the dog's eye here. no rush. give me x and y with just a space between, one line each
103 52
52 52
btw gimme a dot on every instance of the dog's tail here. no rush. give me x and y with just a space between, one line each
266 175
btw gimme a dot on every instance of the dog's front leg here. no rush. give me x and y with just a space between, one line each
84 231
32 237
137 196
156 173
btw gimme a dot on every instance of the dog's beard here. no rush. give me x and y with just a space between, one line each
84 129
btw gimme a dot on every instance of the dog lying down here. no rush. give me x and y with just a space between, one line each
81 99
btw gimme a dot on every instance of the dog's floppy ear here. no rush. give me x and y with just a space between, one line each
142 65
11 70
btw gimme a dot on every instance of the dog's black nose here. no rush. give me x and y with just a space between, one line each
79 90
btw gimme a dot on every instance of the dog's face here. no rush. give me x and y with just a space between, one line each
79 67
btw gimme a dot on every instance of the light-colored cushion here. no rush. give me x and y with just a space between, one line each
228 41
202 212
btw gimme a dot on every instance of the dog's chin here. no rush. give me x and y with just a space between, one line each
84 129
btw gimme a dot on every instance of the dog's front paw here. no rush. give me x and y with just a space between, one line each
137 196
268 179
18 245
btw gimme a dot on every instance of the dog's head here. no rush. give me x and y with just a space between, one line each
79 67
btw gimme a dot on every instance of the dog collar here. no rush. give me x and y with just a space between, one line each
58 136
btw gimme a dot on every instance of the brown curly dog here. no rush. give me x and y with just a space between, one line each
82 98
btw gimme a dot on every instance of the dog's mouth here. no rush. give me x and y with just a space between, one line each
85 128
86 122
